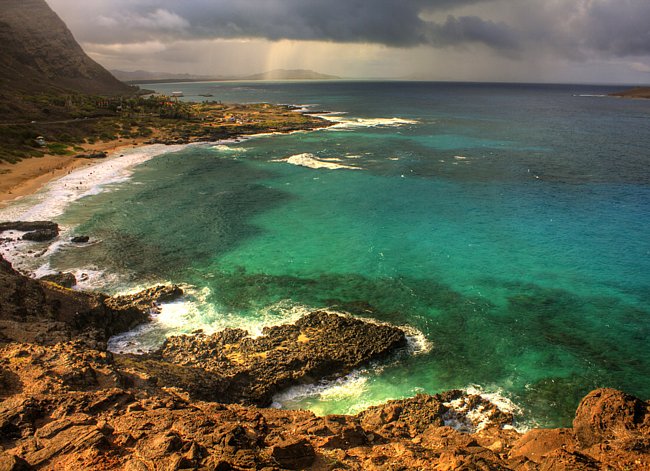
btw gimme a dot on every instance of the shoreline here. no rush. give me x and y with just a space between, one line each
30 175
202 401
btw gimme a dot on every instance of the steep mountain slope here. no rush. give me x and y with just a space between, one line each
40 55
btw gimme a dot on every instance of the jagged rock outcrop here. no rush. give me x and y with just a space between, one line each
46 313
70 404
67 280
40 55
35 231
230 366
64 422
29 226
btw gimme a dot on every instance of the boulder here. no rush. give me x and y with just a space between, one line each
67 280
41 235
606 414
538 443
13 463
80 239
293 454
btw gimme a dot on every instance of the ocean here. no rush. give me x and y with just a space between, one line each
506 227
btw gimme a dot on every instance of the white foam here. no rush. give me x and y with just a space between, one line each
52 200
306 108
466 419
460 157
351 123
351 389
194 313
228 149
418 343
311 161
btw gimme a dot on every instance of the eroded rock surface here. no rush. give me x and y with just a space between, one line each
46 313
70 404
67 280
230 366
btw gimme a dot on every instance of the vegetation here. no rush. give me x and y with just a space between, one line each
67 123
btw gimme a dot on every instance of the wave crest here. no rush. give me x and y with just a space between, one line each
311 161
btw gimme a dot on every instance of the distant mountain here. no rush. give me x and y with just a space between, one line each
638 92
295 74
143 76
40 55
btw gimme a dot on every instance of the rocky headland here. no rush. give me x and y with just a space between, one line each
637 92
199 401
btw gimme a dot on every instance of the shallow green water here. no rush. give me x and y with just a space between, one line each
510 230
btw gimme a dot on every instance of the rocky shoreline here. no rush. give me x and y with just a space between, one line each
637 92
199 401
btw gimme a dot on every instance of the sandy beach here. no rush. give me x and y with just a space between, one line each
30 175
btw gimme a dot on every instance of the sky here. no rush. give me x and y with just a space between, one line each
578 41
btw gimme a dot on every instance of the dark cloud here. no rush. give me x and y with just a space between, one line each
618 28
397 23
573 29
472 29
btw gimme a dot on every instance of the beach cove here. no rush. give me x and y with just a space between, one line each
480 237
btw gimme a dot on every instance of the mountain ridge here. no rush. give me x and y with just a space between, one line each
40 55
142 76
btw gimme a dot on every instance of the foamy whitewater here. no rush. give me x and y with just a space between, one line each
505 225
311 161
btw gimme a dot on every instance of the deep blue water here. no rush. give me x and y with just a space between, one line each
509 224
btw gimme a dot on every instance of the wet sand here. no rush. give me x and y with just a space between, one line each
30 175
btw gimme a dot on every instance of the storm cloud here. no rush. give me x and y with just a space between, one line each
613 27
395 23
534 31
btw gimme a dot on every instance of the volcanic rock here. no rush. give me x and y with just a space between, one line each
25 226
605 414
234 367
67 403
80 239
40 312
40 235
67 280
293 454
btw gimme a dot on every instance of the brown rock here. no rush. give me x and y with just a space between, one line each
136 465
537 443
293 454
13 463
159 445
67 280
230 366
563 460
41 235
606 414
37 312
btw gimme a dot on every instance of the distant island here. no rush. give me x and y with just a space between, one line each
637 92
143 76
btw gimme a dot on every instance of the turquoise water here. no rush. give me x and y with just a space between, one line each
508 224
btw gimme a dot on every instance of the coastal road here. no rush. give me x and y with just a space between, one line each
54 122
